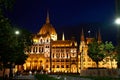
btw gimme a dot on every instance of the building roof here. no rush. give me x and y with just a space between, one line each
64 43
47 28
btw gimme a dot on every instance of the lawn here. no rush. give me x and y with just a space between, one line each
93 77
44 77
1 78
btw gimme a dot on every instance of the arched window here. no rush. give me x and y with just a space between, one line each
53 55
40 40
42 49
57 55
39 49
57 66
36 49
33 49
47 40
67 55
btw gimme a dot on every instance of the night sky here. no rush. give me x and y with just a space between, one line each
67 16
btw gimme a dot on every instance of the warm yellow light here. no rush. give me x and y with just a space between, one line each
35 40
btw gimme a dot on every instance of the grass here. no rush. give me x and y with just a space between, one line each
93 77
104 78
44 77
1 78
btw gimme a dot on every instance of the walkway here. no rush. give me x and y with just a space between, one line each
25 77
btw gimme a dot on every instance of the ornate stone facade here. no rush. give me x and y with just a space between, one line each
52 55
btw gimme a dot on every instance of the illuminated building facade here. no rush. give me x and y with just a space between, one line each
52 55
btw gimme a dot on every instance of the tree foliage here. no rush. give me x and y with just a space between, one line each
118 55
95 51
6 5
109 50
118 48
98 51
12 47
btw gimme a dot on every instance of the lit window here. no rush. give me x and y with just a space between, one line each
46 66
47 60
62 66
53 66
67 66
57 66
41 40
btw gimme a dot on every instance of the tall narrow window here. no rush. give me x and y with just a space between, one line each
42 49
41 40
53 55
39 49
33 49
67 55
36 49
47 40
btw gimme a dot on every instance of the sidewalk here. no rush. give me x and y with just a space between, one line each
28 77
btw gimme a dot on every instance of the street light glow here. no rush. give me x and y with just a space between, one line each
17 32
117 21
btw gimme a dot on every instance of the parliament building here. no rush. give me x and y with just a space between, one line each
52 55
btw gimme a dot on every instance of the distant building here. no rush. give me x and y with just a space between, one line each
52 55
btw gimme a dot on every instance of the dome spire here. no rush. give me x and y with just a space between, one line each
47 19
82 36
63 37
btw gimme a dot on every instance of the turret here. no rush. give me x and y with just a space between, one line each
63 37
82 36
47 19
82 41
99 37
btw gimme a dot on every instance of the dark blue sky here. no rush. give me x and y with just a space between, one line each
66 15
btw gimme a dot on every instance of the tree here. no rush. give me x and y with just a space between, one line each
118 47
99 51
12 47
118 54
96 52
5 40
24 41
110 51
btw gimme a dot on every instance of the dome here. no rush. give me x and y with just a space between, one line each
47 29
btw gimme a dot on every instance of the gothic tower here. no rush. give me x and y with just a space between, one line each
99 37
82 41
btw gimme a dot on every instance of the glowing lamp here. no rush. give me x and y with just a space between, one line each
117 21
17 32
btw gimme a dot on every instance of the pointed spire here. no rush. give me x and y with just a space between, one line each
47 19
63 37
82 36
99 37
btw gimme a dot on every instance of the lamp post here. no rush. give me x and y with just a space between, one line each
17 32
117 22
12 64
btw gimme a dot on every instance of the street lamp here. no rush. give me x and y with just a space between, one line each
17 32
117 21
